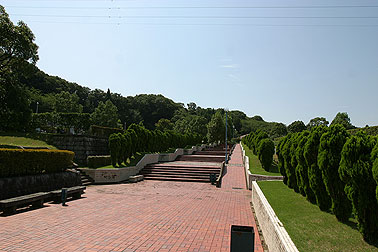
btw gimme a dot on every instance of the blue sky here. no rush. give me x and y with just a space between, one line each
281 68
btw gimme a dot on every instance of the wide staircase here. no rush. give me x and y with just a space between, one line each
188 168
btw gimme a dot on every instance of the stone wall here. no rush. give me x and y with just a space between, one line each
273 231
18 186
83 146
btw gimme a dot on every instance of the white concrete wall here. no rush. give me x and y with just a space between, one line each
273 231
114 175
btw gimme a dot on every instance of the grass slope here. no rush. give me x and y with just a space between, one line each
255 165
23 140
309 228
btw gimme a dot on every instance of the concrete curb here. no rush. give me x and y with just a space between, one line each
275 235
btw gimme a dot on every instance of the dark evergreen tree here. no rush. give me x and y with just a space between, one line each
316 182
331 144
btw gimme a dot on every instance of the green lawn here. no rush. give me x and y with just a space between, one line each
309 228
22 140
255 165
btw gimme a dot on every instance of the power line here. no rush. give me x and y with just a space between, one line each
197 17
208 24
200 7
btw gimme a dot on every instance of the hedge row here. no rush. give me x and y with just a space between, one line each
98 161
262 146
19 162
335 170
139 139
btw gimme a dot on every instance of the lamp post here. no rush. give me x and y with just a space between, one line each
225 142
36 110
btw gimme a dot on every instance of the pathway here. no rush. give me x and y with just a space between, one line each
147 216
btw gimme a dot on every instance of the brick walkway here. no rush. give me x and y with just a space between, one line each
147 216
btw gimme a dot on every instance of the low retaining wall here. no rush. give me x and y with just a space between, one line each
275 235
254 177
115 175
18 186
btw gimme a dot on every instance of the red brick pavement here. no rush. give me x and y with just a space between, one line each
147 216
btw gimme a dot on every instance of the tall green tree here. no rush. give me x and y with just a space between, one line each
331 144
17 51
315 177
296 126
105 114
356 172
67 103
317 121
216 129
343 119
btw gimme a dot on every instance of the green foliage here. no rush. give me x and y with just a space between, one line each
138 139
51 122
281 158
374 158
273 129
20 162
292 169
301 171
67 103
115 148
266 151
105 114
343 119
373 130
296 126
17 49
258 136
356 172
216 129
100 131
331 144
316 182
164 124
317 121
98 161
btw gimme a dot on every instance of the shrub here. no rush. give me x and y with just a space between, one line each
266 151
291 172
374 158
301 169
331 144
281 160
258 136
356 172
287 155
20 162
323 200
98 161
115 148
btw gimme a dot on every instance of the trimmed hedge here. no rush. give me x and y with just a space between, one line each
19 162
98 161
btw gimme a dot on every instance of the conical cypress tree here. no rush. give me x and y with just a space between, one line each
331 144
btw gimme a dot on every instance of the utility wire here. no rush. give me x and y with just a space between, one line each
200 7
208 24
199 17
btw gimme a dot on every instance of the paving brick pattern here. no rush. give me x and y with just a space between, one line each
146 216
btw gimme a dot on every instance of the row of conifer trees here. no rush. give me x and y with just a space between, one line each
336 171
261 146
139 139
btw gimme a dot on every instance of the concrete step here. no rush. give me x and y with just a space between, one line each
201 158
178 179
178 174
175 168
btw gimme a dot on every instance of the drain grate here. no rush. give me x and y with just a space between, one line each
237 188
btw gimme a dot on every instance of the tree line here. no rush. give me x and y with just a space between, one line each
139 139
335 170
261 146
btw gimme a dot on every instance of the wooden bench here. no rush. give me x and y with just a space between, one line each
9 206
74 192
